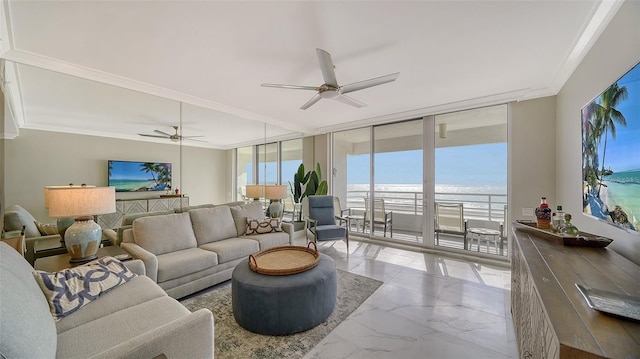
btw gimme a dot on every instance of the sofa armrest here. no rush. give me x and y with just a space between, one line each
149 259
30 244
288 228
111 235
135 266
187 337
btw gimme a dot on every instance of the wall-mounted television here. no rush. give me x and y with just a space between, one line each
611 153
131 176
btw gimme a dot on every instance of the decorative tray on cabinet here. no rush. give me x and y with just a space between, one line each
582 240
612 303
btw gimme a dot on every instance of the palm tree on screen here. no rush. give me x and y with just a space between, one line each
607 116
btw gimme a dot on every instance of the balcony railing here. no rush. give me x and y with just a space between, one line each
485 206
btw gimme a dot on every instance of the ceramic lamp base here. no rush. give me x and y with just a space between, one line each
83 239
275 209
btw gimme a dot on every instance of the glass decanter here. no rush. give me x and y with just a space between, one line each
568 228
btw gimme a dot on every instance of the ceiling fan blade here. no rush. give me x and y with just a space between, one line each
189 137
156 136
164 133
309 103
369 83
349 101
293 87
327 68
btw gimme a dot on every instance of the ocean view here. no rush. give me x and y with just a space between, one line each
623 189
408 197
130 185
440 188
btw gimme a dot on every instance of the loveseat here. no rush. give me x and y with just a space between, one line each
133 320
190 251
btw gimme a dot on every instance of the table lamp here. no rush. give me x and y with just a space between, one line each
84 236
64 222
275 193
255 191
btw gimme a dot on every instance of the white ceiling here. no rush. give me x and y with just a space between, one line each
213 56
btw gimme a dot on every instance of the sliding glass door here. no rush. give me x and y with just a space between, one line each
467 180
396 202
351 174
471 180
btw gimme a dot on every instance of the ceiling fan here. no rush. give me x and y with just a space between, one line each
330 89
175 137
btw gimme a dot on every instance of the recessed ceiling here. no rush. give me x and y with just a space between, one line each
119 68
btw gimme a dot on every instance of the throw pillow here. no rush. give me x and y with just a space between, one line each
260 226
71 289
46 229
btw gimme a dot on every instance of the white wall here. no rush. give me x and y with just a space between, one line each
532 155
615 52
36 159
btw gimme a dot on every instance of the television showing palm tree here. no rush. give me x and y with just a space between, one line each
611 153
130 176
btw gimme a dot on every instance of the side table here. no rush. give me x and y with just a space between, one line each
61 261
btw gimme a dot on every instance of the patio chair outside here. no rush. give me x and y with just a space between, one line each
449 219
380 215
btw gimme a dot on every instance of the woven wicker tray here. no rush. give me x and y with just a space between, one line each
285 260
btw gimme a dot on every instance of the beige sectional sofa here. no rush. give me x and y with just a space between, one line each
190 251
134 320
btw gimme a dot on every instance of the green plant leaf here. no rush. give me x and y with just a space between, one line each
323 189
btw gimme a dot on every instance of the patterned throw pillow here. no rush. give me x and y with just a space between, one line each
71 289
260 226
46 229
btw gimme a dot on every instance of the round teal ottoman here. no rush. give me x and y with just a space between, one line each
281 305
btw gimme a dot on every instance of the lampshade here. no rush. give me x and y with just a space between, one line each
255 191
47 188
81 201
275 192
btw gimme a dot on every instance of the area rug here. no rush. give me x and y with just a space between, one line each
232 341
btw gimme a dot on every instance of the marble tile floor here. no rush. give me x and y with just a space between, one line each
430 306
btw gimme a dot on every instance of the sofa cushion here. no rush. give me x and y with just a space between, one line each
128 219
270 240
260 226
71 289
232 249
212 224
109 331
180 263
15 217
138 290
26 325
241 213
189 208
164 234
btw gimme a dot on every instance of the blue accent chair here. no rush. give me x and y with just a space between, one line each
321 222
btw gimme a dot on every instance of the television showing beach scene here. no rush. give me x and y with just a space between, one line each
611 153
130 176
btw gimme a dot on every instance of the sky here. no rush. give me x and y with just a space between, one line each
466 165
623 153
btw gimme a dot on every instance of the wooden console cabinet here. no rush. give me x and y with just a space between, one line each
550 315
131 206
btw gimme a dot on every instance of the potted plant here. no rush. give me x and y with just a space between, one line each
306 184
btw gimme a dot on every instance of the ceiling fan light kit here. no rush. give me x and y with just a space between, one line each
330 89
